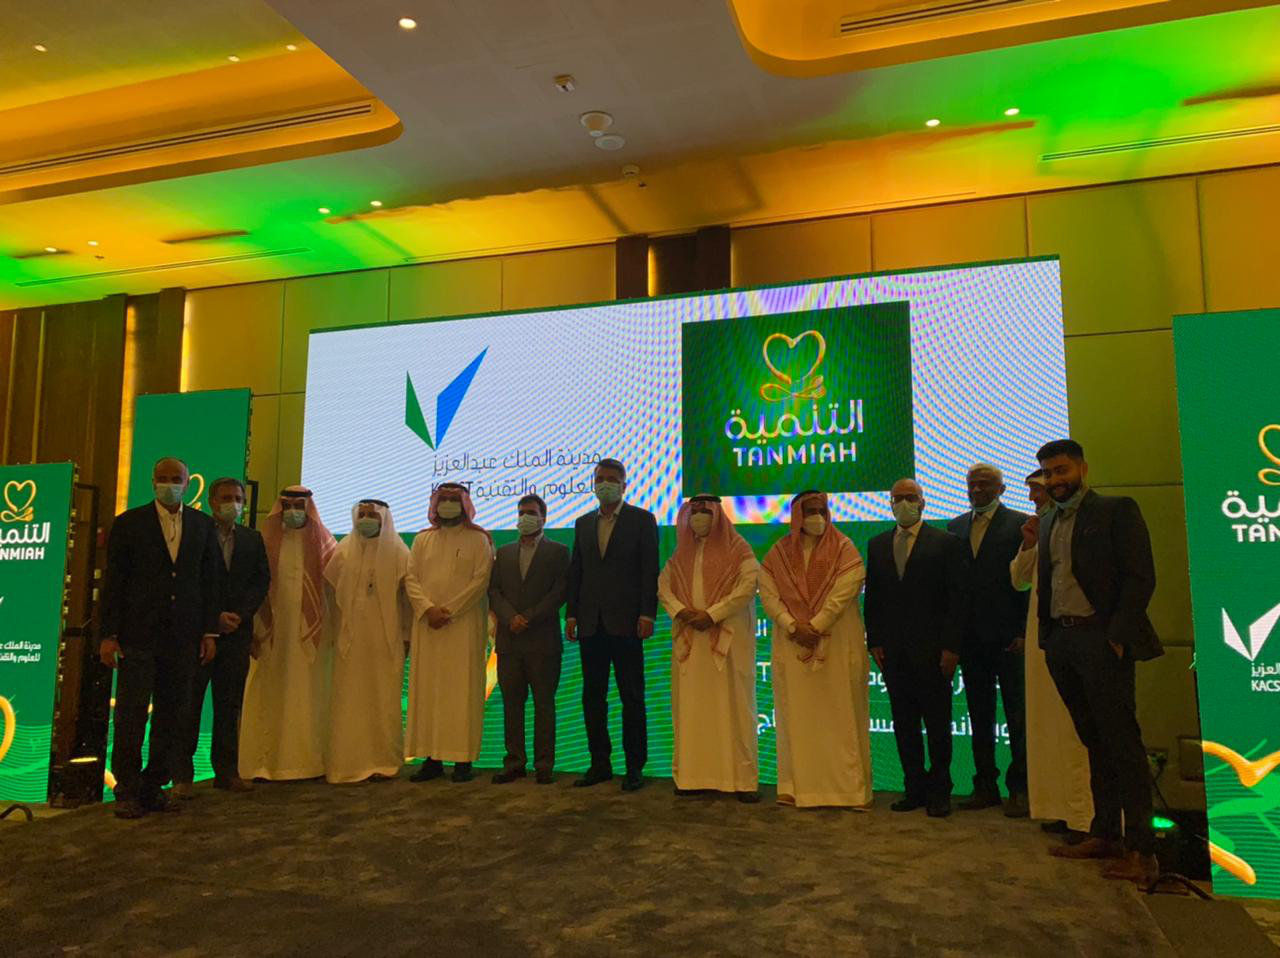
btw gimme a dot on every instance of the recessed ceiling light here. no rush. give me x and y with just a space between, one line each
51 249
375 202
408 23
40 48
933 122
291 47
610 141
1012 111
323 211
233 58
93 242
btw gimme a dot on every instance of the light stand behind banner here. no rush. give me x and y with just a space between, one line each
1229 404
35 522
209 431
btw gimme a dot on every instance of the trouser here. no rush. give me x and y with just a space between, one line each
920 692
982 665
626 654
520 669
1097 687
226 673
162 679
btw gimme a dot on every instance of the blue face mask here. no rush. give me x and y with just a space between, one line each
368 526
1072 503
608 492
991 506
169 493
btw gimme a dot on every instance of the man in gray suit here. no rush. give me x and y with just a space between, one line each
526 591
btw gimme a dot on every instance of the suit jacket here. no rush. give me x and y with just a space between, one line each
918 616
243 588
149 601
538 596
1111 559
612 591
997 611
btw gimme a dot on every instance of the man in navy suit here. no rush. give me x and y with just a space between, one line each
994 632
159 622
611 605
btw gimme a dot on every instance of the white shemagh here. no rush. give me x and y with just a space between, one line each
390 564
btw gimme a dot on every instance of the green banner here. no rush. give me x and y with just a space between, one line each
1229 403
209 431
35 521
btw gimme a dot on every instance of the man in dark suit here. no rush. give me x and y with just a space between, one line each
612 603
244 576
159 621
994 632
914 610
1097 575
526 591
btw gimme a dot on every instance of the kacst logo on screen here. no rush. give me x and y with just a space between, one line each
447 403
21 537
1263 678
1252 523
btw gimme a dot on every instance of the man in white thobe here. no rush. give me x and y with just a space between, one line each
447 583
809 585
286 699
708 587
1057 763
367 572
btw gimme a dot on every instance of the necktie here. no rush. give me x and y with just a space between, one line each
977 529
901 547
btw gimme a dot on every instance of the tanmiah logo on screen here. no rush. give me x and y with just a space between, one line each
809 384
447 403
1257 523
24 539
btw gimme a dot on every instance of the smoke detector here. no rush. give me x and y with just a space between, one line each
610 141
596 122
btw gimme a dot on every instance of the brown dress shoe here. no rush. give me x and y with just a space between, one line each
1089 848
1134 867
233 783
182 790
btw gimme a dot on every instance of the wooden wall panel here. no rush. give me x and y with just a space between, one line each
791 252
1239 213
943 235
233 336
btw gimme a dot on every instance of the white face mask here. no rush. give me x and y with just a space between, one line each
449 509
528 523
169 493
608 492
294 518
907 513
700 523
815 525
228 511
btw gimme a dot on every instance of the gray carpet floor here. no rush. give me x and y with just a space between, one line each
395 868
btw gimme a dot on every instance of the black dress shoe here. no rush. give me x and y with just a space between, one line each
462 772
1018 806
939 808
906 804
980 800
633 782
685 792
427 771
161 803
594 776
507 776
129 808
1055 828
546 778
748 798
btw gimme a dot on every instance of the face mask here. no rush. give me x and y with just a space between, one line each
449 509
815 525
368 526
1071 503
906 513
227 511
608 492
169 493
294 518
991 506
528 524
700 522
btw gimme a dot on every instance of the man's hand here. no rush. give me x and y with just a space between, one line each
806 635
208 649
701 621
877 653
1017 645
1031 533
1117 648
518 624
228 622
438 616
109 651
644 628
949 662
571 629
686 615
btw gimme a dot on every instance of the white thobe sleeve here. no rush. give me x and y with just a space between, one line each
1022 569
744 591
477 585
418 597
774 607
844 591
665 595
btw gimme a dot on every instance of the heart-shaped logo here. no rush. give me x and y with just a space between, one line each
197 483
1269 477
13 495
10 726
806 386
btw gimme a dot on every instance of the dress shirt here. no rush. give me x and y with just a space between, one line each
527 549
171 526
1067 596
